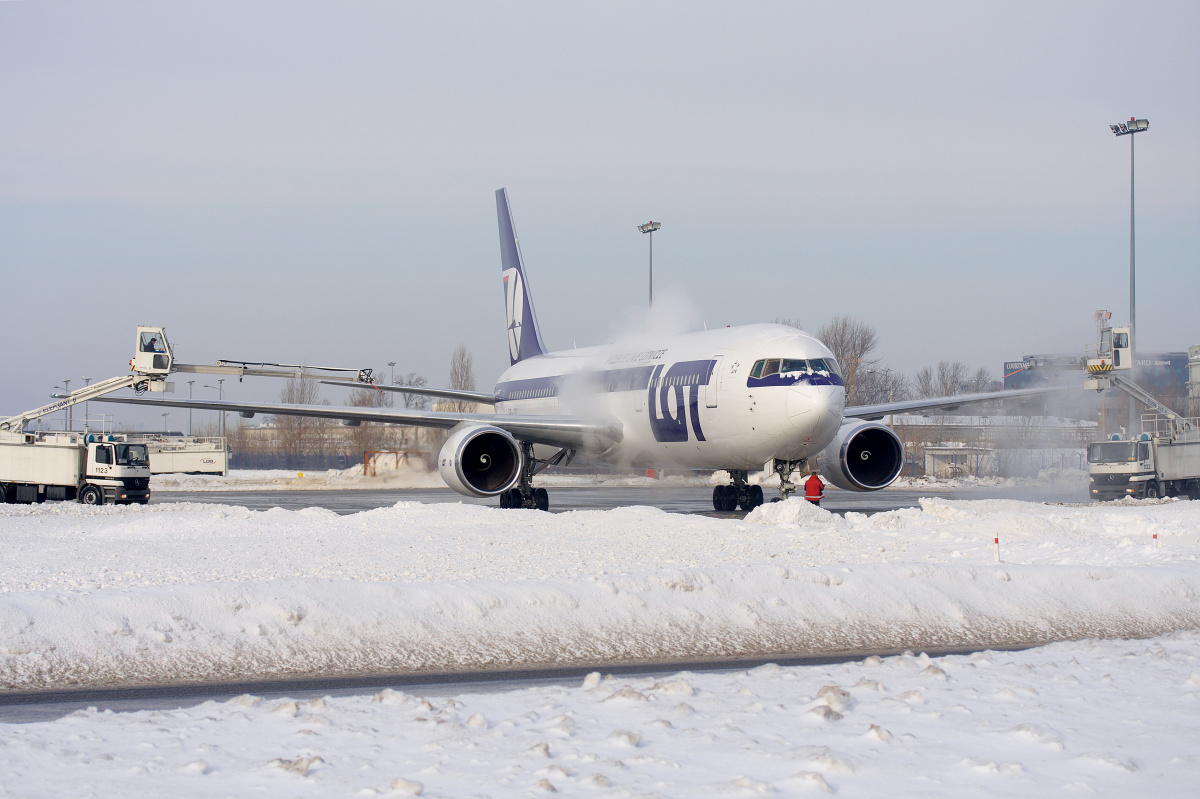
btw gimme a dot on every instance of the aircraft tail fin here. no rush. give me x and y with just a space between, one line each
524 337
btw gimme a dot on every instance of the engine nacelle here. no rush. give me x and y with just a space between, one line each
863 456
480 460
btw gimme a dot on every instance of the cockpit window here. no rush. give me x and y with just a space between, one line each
757 370
793 365
827 365
771 367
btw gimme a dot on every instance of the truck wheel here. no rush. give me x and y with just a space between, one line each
1152 490
91 495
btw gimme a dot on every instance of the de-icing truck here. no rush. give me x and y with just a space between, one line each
1161 461
94 469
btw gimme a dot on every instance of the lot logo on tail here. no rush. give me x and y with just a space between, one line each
515 308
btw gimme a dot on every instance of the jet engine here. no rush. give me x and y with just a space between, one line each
480 460
863 456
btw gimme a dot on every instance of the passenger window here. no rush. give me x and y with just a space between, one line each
771 367
104 455
757 370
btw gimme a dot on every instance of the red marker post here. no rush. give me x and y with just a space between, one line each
996 540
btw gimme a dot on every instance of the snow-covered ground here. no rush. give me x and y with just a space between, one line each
1105 718
388 475
192 592
161 593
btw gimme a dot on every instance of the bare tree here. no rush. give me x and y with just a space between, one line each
924 383
406 436
982 381
301 433
371 435
852 342
462 377
416 402
790 323
951 377
948 380
880 384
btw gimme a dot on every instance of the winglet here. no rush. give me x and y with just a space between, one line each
524 337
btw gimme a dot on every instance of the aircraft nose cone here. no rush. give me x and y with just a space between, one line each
816 410
806 403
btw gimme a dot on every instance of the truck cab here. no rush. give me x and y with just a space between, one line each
116 472
1120 468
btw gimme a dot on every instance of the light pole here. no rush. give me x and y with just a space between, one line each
60 393
190 382
220 389
392 367
1128 129
164 415
87 381
67 391
650 227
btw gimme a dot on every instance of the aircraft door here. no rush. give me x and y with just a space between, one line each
714 381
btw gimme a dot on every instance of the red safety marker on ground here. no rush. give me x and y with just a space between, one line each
997 541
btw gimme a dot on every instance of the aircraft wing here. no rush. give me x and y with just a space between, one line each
942 403
555 431
425 391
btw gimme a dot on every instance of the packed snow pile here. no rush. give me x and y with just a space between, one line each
161 593
1116 718
387 473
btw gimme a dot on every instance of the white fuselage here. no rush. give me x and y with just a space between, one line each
691 400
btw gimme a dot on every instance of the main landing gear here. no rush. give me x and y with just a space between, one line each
727 498
523 494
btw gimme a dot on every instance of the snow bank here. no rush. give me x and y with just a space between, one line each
137 595
293 628
1110 717
387 475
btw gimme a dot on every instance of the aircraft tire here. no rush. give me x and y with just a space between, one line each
754 498
542 497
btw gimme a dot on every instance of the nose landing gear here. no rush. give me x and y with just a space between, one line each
727 498
785 469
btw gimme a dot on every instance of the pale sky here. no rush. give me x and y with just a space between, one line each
314 182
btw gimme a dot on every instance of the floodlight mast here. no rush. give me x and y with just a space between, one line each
1128 129
650 227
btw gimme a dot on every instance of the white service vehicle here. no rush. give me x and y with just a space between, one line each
1161 461
88 467
93 468
1150 466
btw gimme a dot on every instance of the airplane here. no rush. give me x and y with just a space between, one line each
736 399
